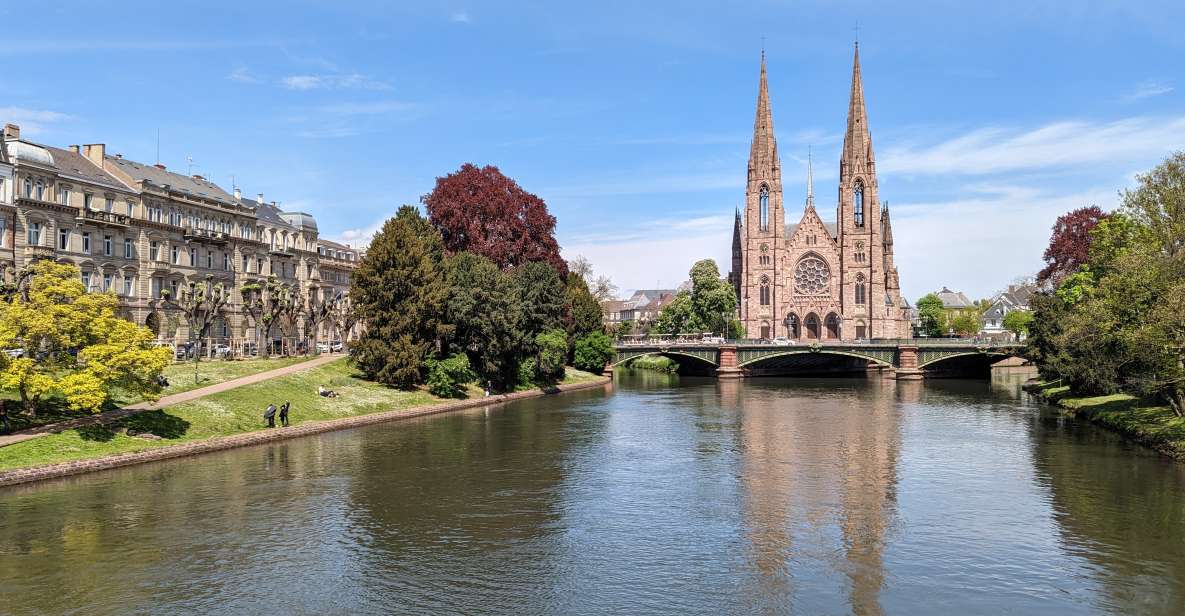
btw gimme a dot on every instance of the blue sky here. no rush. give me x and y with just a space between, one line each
630 119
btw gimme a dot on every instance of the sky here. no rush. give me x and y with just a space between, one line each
630 119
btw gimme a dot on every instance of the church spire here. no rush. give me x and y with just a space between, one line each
810 181
763 154
857 142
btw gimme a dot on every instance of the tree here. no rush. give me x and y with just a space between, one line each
1018 322
593 352
552 348
268 303
1069 247
541 292
447 377
965 322
602 288
582 311
931 315
713 300
74 344
484 309
675 316
482 211
399 290
580 266
201 303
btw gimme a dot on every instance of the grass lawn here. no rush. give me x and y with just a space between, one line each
231 412
1149 423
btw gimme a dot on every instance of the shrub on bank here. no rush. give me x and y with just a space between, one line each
593 352
447 377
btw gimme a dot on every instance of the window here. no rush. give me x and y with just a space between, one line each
860 293
40 191
34 234
28 188
63 239
109 205
193 257
173 286
107 245
764 293
106 282
3 231
129 282
63 195
858 203
130 207
156 285
209 259
86 242
176 256
811 276
225 261
246 263
86 281
764 213
86 201
128 251
154 250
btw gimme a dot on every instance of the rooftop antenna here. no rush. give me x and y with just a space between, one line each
158 145
189 167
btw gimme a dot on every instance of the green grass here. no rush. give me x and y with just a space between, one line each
231 412
657 363
214 371
1146 422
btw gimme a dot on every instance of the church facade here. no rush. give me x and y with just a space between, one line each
816 280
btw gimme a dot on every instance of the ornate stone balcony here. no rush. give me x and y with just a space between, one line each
39 252
204 235
108 219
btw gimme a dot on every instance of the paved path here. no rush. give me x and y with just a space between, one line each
165 401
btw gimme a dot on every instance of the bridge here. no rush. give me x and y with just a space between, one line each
905 358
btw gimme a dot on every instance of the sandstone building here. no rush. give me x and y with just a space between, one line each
145 233
816 280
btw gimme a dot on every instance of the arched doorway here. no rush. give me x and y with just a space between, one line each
812 326
765 330
832 326
153 324
793 327
861 330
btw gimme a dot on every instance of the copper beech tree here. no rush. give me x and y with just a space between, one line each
1069 247
479 210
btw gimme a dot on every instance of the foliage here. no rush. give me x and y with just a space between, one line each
75 346
931 315
1018 322
201 304
582 311
480 210
400 291
965 322
541 292
268 303
675 317
655 363
593 352
447 377
553 349
1070 245
710 305
484 310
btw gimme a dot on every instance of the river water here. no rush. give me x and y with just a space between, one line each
667 496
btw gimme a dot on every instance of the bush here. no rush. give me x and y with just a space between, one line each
527 372
553 348
593 352
447 377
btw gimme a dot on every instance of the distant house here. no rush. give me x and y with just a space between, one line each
954 300
641 308
1016 297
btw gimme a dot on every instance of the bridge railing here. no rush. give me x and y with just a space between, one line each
668 340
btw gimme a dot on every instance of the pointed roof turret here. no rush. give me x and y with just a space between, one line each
810 181
763 153
886 226
857 142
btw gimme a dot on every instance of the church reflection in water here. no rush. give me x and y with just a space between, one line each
818 478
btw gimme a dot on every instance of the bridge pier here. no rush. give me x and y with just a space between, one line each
727 365
907 364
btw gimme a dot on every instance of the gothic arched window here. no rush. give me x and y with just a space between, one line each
811 276
858 203
764 200
764 293
861 292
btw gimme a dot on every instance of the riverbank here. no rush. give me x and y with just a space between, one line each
1151 425
233 419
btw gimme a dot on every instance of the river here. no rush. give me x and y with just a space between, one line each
669 495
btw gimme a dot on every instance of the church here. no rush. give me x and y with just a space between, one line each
816 280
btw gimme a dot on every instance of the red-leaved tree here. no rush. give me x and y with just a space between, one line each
1069 247
482 211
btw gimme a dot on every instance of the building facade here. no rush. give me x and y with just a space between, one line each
146 233
816 280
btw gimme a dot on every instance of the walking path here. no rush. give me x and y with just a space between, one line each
165 401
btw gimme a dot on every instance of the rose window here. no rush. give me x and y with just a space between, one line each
812 276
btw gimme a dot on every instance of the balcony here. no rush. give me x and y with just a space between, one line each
281 252
107 219
39 252
205 235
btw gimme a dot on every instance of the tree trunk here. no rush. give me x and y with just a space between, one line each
1176 401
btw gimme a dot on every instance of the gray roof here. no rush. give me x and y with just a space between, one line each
300 219
152 174
334 245
266 212
953 299
80 167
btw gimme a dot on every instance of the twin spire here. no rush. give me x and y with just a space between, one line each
857 142
763 154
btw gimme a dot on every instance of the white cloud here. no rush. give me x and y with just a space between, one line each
359 237
32 121
242 75
461 17
1060 144
1147 89
335 81
649 185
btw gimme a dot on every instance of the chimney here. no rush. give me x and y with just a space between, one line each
238 193
74 149
259 199
198 177
12 131
95 153
159 166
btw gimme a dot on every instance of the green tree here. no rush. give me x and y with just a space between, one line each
582 311
484 309
552 348
400 291
593 352
1018 322
675 316
447 377
74 345
965 322
931 315
713 300
541 293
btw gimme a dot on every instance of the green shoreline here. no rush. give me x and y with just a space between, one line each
1154 426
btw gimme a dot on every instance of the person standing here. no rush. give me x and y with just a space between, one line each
284 414
4 427
270 415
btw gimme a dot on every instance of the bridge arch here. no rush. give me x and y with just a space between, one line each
755 362
993 355
701 357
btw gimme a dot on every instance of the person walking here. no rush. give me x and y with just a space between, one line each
270 415
284 414
4 427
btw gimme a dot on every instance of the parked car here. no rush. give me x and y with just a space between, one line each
781 341
221 350
336 346
712 340
322 347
